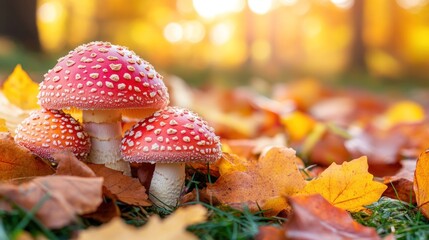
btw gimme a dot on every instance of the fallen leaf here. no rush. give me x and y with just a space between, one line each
325 146
270 233
68 164
315 218
18 162
123 188
171 228
348 186
382 149
252 148
117 186
400 186
12 114
107 211
230 163
58 199
421 183
403 112
275 173
20 90
3 127
298 125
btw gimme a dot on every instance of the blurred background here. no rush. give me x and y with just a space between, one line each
231 42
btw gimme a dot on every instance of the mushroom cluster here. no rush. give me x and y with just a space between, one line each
105 81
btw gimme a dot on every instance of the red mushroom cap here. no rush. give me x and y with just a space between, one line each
99 75
171 135
45 132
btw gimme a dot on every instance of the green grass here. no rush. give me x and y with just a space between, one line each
393 216
229 223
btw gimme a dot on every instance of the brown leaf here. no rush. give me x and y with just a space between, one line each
421 183
315 218
270 233
18 162
329 148
124 188
400 186
68 164
275 174
171 228
107 211
382 149
59 198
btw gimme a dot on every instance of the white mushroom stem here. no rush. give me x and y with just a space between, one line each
105 131
167 184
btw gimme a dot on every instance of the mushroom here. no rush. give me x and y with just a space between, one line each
169 138
103 79
45 132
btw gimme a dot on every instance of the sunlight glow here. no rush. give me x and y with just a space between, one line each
410 4
260 6
211 8
49 12
173 32
345 4
221 33
193 31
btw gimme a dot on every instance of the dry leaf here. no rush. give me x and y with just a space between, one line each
18 162
400 186
276 173
381 148
270 233
68 164
403 112
107 211
118 186
328 148
348 186
3 127
61 198
20 90
230 163
170 228
315 218
298 125
124 188
421 183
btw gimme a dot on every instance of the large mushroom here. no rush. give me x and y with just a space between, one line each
170 138
103 79
45 132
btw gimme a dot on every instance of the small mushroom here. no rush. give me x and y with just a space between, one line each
170 138
45 132
103 80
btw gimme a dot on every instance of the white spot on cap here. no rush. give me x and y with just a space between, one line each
109 84
121 86
171 131
94 75
115 67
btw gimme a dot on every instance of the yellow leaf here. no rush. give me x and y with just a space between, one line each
298 125
348 186
76 113
170 228
20 90
404 112
421 183
230 163
3 127
275 174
